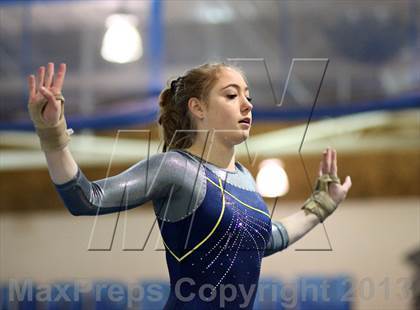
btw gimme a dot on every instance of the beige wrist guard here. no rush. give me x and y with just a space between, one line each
52 137
320 203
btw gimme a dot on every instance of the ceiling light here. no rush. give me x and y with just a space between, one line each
122 42
272 180
211 14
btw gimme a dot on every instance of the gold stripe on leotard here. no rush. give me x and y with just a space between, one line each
179 259
240 201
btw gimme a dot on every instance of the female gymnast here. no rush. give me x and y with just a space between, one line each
215 226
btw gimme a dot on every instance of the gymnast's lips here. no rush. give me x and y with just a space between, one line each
246 120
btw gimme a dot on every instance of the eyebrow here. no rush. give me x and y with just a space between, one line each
236 86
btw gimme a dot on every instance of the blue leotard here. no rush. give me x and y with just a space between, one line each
215 226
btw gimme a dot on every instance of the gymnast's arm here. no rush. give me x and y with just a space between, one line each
147 180
300 223
290 230
279 238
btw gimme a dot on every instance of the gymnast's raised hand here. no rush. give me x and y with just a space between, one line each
46 110
328 166
324 200
46 107
328 192
45 87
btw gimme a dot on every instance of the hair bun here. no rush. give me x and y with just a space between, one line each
175 83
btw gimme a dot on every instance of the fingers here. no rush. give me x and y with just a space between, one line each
40 77
347 184
326 161
329 159
58 83
49 76
31 86
328 164
46 79
334 162
47 94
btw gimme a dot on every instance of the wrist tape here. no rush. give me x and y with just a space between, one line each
52 137
320 203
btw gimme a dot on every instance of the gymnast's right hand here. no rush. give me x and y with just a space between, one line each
43 90
46 107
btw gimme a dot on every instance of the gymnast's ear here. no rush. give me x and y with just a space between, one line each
197 107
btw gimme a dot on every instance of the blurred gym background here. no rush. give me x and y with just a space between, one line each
344 74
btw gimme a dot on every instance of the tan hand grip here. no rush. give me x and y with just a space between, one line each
52 137
320 203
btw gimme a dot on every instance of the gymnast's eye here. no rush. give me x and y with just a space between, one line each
233 96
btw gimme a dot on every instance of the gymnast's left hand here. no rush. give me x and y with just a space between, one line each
328 165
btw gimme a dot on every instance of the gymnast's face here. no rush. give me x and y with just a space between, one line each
228 108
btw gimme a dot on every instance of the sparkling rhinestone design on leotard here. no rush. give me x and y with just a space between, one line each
233 252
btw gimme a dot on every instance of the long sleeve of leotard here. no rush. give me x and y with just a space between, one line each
156 178
279 239
149 179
